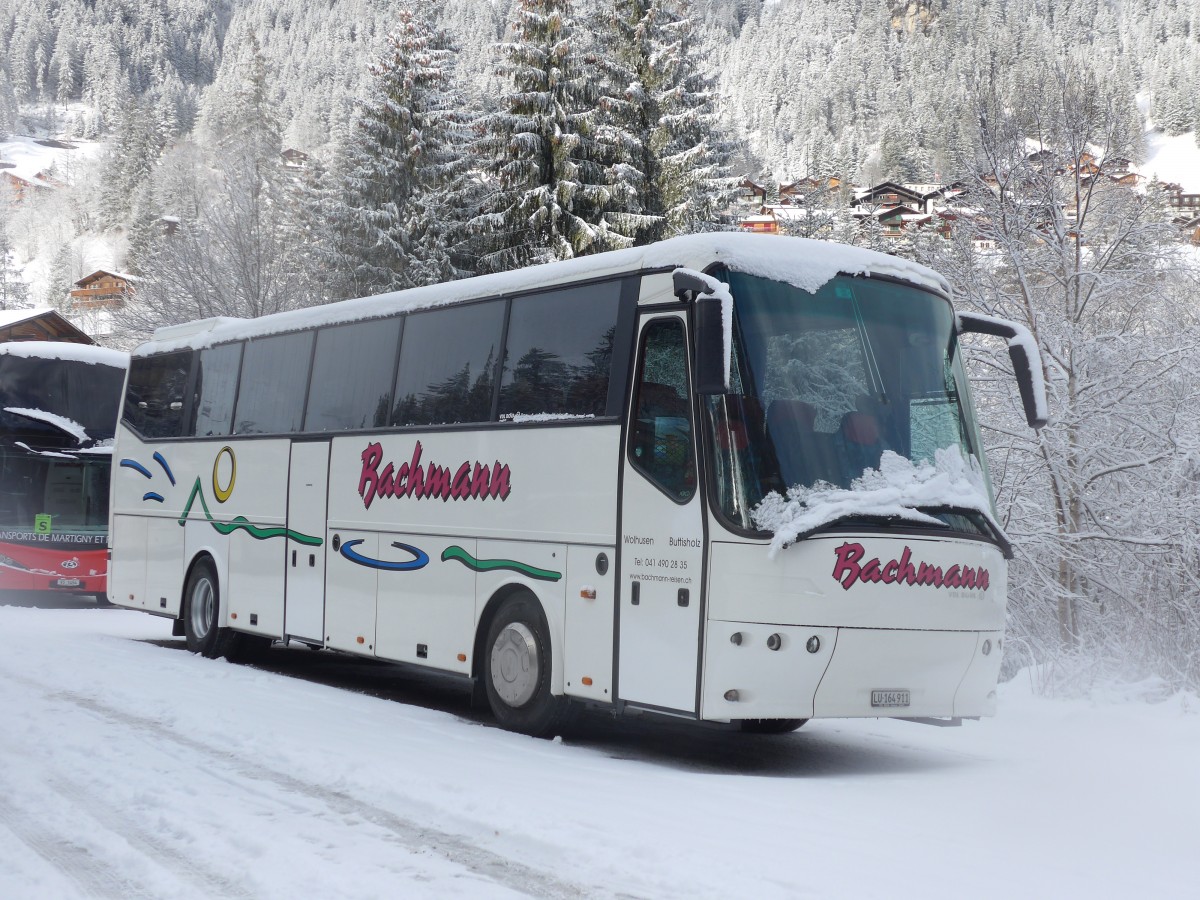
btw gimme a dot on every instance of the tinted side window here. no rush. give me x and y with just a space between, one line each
273 385
448 364
154 399
352 376
660 439
559 351
215 390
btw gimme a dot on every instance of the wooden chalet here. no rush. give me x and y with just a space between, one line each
763 223
799 191
39 325
21 188
294 159
1185 202
1190 227
102 290
889 193
752 193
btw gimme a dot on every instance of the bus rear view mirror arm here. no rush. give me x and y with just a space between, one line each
1026 360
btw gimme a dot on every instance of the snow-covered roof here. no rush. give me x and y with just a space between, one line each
100 272
85 353
17 316
804 263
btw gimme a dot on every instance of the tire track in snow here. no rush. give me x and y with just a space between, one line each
414 837
92 875
147 843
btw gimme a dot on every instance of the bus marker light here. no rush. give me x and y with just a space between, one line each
813 645
987 647
462 657
736 638
360 639
233 615
774 642
588 593
587 681
732 695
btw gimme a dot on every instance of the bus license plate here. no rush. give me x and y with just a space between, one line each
68 582
891 698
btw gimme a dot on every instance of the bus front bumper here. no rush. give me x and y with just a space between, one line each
763 671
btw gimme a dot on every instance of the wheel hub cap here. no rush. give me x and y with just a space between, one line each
514 665
202 607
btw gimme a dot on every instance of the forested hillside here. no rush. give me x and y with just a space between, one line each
439 140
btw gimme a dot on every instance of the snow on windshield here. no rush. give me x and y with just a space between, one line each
62 423
894 490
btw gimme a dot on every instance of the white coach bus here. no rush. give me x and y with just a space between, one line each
727 477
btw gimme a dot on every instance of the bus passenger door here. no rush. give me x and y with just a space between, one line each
662 530
304 609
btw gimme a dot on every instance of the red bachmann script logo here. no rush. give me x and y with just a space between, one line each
428 481
850 569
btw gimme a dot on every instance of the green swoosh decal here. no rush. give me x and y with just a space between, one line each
242 523
490 565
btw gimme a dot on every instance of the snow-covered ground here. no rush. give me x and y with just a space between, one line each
1173 158
130 768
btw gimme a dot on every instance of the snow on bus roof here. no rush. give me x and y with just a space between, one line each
804 263
85 353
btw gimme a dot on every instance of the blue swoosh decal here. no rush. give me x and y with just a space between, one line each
158 458
136 466
420 560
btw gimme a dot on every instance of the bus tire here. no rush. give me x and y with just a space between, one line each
770 726
517 669
202 612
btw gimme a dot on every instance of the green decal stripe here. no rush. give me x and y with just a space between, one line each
242 523
490 565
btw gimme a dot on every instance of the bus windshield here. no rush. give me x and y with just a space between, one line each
72 494
56 403
822 385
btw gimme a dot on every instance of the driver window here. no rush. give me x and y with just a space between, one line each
661 445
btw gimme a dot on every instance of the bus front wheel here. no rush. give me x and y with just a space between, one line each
517 667
201 613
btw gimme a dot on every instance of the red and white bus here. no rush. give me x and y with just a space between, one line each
58 414
725 477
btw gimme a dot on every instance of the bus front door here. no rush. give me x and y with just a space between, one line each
662 529
304 607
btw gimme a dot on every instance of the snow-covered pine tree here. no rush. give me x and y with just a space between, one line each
551 188
399 171
671 169
14 293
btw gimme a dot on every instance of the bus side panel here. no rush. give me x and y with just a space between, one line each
165 541
351 593
588 623
426 612
544 483
540 569
249 486
127 569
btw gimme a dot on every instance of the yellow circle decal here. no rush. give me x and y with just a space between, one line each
222 494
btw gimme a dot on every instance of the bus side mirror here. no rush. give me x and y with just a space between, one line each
712 364
1026 361
710 347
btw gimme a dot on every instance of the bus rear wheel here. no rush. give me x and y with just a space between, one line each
201 613
517 667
